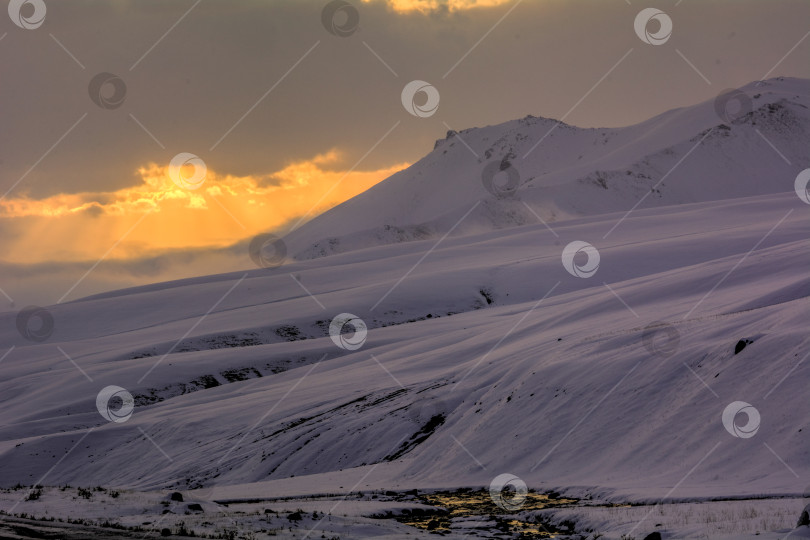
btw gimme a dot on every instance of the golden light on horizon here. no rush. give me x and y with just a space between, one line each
156 215
426 6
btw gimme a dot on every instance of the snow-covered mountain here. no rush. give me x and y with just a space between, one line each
737 145
484 354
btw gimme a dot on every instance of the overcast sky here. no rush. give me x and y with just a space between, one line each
279 109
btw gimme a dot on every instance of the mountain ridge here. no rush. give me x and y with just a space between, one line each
628 163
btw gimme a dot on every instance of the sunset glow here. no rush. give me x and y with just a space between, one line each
156 215
426 6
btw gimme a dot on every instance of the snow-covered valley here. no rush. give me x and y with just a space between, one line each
588 332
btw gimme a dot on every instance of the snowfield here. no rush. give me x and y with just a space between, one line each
483 356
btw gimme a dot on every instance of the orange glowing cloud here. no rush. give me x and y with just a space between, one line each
157 215
426 6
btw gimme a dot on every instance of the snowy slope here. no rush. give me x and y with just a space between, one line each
343 410
484 355
565 171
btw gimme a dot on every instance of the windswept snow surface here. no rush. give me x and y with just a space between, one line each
484 355
685 155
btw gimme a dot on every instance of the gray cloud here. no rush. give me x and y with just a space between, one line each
190 86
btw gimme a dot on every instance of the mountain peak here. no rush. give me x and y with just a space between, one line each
554 170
